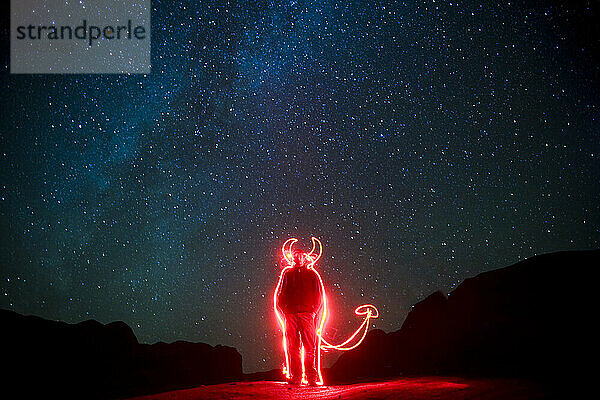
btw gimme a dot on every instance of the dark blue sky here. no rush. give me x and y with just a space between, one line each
422 142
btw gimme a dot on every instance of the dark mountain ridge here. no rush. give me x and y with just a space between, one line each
527 320
92 360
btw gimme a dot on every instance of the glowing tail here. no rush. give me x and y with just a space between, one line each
369 311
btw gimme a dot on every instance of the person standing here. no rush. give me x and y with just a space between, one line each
300 298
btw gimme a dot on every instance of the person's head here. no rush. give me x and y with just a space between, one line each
299 258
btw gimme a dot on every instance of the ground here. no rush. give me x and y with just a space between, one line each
403 388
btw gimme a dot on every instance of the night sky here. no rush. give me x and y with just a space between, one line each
422 143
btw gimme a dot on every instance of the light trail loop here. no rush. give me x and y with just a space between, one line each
369 311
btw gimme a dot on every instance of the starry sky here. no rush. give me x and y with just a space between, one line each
423 142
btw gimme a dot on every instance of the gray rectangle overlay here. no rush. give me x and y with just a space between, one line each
80 37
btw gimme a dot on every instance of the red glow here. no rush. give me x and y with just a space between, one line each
368 311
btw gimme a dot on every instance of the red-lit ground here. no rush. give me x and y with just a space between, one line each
404 388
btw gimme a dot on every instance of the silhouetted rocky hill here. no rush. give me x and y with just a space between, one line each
92 360
530 320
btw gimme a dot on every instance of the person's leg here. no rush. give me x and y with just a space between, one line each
308 333
292 337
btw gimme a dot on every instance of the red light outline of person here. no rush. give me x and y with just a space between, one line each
368 311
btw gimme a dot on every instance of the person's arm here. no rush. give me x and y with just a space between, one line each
281 298
318 304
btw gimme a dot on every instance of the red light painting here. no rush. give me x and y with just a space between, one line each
367 311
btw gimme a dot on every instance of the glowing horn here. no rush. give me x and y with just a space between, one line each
310 255
287 253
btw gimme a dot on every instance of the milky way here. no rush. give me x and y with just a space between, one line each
422 142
